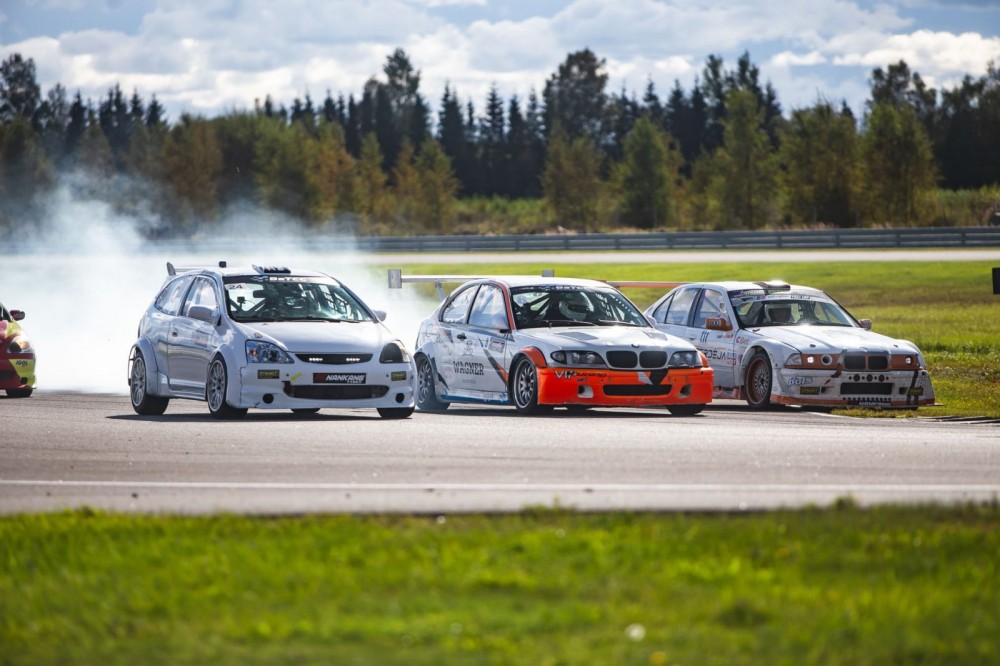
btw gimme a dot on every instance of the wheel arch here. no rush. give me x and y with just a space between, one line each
144 346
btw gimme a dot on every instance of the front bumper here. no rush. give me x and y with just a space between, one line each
600 387
17 371
890 389
312 386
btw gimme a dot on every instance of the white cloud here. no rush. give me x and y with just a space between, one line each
789 59
934 52
210 55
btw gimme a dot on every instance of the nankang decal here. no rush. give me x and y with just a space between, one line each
468 368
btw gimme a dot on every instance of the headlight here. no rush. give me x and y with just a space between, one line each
266 352
19 345
794 360
684 359
394 352
577 358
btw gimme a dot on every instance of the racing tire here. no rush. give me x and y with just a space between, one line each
215 392
427 400
685 410
524 389
757 381
143 403
19 393
395 412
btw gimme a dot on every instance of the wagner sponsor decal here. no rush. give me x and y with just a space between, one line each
468 368
268 374
339 378
397 375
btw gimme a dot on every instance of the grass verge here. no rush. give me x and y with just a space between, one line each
838 586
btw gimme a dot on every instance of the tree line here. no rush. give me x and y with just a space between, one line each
720 156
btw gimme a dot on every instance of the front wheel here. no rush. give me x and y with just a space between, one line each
395 412
685 410
143 403
758 381
19 393
215 392
524 389
427 400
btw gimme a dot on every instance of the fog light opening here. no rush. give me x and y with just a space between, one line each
584 392
685 391
268 398
400 398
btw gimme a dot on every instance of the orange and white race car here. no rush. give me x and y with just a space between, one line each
17 356
543 342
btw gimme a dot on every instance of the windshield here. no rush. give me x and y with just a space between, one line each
290 298
563 305
790 312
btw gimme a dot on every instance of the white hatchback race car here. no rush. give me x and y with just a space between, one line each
268 338
774 343
543 342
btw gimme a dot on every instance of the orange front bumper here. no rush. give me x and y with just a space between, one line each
624 388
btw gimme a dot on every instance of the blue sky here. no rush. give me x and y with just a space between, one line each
210 56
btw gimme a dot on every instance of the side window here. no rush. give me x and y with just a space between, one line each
677 313
172 297
203 293
455 311
712 304
661 310
489 310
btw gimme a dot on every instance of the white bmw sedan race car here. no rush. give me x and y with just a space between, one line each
774 343
269 338
543 342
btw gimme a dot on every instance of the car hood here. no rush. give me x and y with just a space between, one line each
320 336
832 339
605 337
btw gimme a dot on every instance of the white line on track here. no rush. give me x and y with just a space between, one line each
544 487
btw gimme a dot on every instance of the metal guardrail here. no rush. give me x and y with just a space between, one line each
695 240
924 237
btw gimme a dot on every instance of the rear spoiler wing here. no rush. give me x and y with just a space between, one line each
396 280
174 270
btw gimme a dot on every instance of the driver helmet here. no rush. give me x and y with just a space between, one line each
575 305
780 314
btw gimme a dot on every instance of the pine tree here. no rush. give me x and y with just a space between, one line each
647 173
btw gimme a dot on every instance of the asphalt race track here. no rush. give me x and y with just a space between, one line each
60 450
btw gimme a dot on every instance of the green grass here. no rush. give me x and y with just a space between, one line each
838 586
947 308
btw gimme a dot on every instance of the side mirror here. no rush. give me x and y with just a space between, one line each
866 324
718 324
17 315
380 314
650 320
202 313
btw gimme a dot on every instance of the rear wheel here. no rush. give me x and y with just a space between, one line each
395 412
427 400
685 410
524 389
142 402
758 381
215 392
18 393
